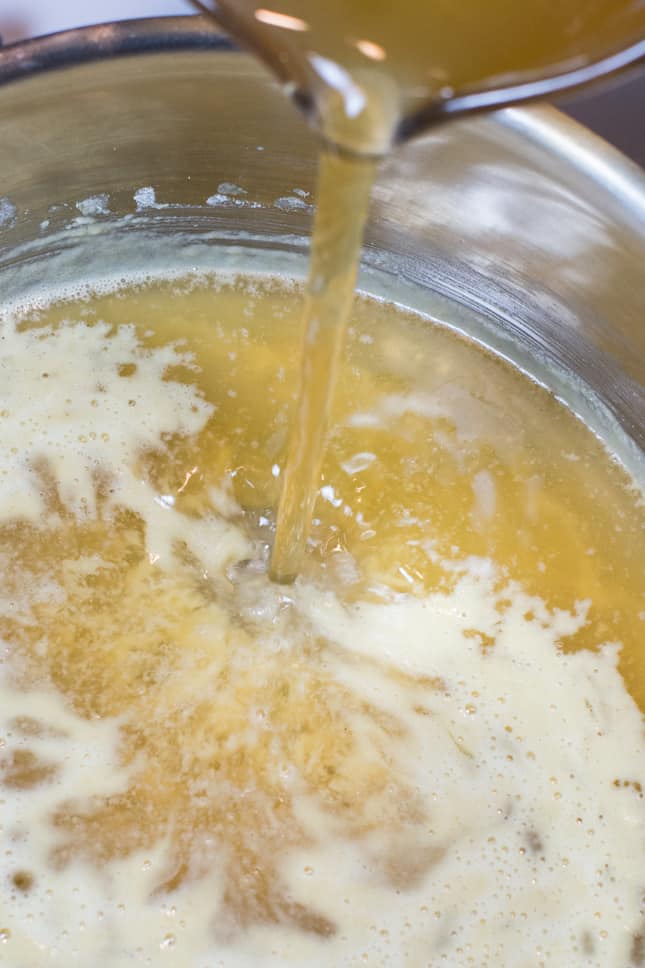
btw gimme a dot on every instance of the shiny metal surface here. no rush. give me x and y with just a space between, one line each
528 229
144 35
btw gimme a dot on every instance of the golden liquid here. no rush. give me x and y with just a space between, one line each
364 69
183 657
558 516
409 55
566 523
343 196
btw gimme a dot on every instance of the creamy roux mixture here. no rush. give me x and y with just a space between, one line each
387 764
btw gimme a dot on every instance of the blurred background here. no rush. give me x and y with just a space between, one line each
616 110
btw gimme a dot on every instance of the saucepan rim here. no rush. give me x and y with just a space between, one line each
545 126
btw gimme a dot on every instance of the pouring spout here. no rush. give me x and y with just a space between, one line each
369 76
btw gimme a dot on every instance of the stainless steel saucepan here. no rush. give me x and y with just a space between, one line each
520 227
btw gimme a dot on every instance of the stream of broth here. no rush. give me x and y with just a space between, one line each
344 188
364 69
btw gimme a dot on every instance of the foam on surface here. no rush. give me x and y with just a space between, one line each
199 768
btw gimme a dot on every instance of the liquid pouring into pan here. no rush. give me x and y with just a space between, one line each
369 74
